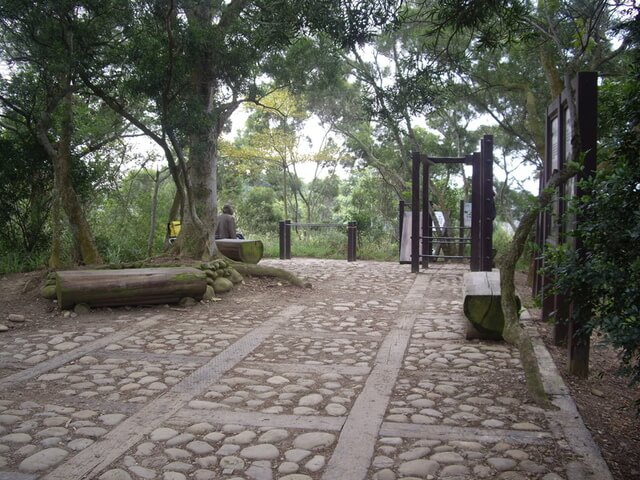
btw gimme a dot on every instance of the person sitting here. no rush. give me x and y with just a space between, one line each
226 226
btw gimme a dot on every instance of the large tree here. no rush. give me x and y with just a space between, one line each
42 44
191 64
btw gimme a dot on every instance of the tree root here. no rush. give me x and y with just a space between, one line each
262 271
513 332
241 268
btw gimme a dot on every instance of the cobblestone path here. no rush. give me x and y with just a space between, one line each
366 376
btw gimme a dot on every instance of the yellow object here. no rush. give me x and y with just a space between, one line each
174 228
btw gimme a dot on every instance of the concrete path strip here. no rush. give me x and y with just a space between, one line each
353 453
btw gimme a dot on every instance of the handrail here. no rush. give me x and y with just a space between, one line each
345 225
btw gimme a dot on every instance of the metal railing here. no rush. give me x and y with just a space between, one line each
284 235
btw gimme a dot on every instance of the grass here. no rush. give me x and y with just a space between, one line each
15 262
331 244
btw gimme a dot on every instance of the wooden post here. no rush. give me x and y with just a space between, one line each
287 236
586 91
476 200
401 207
461 230
415 212
427 227
281 238
486 149
352 234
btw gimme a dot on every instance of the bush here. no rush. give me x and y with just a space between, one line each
603 277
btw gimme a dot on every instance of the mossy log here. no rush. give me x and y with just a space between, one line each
247 251
482 304
139 286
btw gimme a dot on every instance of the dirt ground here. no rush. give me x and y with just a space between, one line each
606 402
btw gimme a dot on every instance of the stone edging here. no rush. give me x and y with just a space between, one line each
566 418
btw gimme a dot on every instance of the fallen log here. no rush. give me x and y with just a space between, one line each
132 286
247 251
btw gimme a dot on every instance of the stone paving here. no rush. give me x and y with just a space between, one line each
366 376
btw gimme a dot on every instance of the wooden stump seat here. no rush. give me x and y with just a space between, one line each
482 305
247 251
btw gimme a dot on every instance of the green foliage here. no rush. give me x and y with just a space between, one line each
369 201
122 222
25 194
15 261
376 247
501 239
258 212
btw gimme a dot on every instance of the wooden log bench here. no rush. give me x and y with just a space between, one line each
129 286
247 251
482 305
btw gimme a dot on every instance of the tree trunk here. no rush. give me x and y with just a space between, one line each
55 256
176 212
62 162
80 229
513 331
154 210
197 237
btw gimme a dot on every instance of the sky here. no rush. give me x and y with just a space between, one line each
316 132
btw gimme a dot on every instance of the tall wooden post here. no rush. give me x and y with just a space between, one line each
401 225
461 229
281 238
415 212
486 152
426 227
352 234
476 200
586 94
287 236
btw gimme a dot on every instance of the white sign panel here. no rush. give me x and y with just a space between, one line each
467 214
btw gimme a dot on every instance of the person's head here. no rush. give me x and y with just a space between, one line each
227 209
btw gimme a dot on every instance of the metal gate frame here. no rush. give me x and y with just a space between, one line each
481 200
